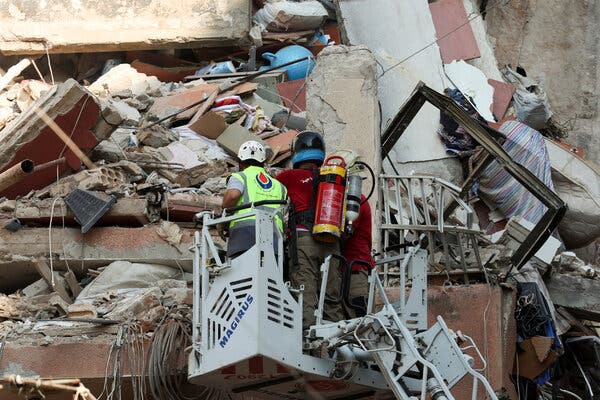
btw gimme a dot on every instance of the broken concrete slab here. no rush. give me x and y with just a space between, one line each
579 295
110 177
183 206
197 175
36 288
126 211
68 27
138 303
156 136
348 121
128 114
75 111
124 81
127 277
97 248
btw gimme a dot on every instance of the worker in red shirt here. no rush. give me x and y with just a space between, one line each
308 155
357 247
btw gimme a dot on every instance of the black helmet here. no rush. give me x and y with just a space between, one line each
308 146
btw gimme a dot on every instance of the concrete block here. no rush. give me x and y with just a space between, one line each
124 81
135 305
579 295
73 109
128 114
97 248
92 26
36 288
234 136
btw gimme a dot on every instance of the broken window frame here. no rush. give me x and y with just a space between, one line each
488 138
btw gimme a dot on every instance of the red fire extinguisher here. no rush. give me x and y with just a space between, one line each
330 205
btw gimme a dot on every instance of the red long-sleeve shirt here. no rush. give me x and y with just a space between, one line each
299 183
358 246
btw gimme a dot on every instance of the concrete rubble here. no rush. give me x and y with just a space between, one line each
152 136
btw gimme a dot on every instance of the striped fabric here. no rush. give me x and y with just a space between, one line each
500 190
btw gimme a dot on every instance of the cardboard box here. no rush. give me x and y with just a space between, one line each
210 125
535 357
235 135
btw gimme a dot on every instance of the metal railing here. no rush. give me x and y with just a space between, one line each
428 210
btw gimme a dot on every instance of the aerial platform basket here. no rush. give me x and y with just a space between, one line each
248 337
251 326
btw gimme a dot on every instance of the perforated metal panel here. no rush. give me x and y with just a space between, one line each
278 308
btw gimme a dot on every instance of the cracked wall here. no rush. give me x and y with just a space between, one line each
557 43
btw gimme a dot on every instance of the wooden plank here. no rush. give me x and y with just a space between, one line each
454 44
59 282
208 78
182 100
204 107
73 284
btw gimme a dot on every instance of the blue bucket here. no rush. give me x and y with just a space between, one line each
291 53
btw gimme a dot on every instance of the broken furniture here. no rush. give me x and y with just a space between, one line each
489 139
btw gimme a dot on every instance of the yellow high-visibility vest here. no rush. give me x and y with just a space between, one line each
258 186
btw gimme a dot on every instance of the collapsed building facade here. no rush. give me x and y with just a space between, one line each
110 148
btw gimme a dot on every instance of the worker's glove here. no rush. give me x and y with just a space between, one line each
222 230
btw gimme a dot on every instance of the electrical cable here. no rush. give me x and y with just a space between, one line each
49 63
498 3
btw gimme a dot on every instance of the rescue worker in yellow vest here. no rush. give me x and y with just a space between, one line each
250 185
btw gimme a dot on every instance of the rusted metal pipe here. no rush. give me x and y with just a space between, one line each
16 173
49 164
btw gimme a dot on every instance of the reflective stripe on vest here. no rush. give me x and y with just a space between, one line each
258 186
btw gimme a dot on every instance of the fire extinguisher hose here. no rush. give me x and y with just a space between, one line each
373 180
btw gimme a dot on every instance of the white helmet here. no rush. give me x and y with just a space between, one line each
252 150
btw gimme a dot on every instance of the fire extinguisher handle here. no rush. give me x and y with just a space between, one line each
340 158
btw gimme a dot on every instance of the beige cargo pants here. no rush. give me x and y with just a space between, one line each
359 287
311 254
